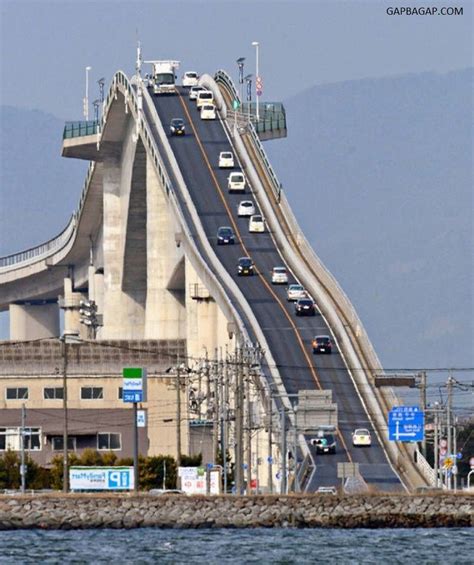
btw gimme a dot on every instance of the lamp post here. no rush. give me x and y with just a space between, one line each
248 80
86 98
66 339
257 76
240 62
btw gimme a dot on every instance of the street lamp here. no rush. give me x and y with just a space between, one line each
240 63
257 77
248 80
67 338
86 98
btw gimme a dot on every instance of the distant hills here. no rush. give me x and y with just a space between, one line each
379 173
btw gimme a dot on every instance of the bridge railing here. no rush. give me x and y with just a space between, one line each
78 129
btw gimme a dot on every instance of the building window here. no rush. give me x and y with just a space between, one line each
57 443
120 393
108 441
10 438
17 393
92 393
53 393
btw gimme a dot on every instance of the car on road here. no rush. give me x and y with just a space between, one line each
305 307
204 97
225 236
236 182
194 91
208 112
256 224
226 160
190 78
165 492
325 441
245 267
177 126
279 275
246 208
361 438
295 292
321 344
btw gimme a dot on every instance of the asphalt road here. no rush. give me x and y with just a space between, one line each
288 336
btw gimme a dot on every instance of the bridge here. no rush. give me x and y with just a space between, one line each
142 246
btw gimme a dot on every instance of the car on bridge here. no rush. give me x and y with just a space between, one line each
361 438
295 292
194 91
236 182
246 208
208 112
321 344
325 440
190 78
225 236
279 275
177 126
245 267
226 160
256 224
204 97
305 307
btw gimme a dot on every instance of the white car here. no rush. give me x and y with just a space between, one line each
256 224
190 78
208 112
204 97
295 292
361 438
194 91
246 208
279 275
226 160
236 182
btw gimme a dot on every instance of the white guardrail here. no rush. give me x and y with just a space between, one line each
348 327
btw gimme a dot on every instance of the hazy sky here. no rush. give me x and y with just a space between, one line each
46 45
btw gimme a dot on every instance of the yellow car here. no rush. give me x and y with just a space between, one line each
361 438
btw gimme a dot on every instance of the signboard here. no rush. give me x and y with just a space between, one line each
193 480
141 419
134 384
101 478
259 86
406 423
235 104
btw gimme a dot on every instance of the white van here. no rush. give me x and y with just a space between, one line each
208 112
204 97
236 182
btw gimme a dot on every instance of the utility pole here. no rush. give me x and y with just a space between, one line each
215 414
283 486
270 432
239 393
178 415
296 487
249 428
223 417
436 445
65 415
423 407
449 426
22 464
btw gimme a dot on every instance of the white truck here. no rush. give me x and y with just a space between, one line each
163 76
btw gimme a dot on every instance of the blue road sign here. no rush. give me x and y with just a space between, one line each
406 423
132 396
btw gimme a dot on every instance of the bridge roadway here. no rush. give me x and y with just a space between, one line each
289 337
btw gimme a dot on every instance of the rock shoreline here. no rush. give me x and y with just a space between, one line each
82 511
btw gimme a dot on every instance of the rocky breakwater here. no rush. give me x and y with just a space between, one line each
312 511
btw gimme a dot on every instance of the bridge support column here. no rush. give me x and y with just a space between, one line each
165 316
34 321
71 305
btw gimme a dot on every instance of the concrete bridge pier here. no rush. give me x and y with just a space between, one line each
34 320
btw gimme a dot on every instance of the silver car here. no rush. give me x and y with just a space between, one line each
246 208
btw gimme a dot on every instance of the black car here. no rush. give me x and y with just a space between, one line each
225 236
305 307
245 266
324 443
177 126
321 344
